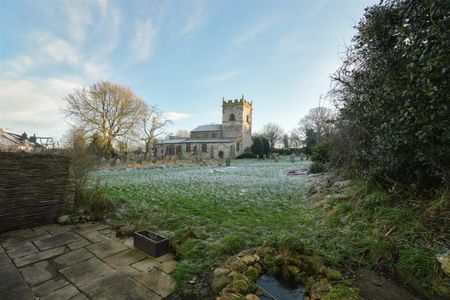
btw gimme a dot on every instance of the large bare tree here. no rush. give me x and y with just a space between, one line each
153 123
106 108
318 119
273 132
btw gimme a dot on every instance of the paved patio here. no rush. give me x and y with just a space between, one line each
83 261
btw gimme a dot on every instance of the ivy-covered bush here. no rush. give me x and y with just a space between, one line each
393 94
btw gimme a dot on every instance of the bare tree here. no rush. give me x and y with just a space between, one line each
296 137
318 119
285 139
183 133
273 133
106 108
153 123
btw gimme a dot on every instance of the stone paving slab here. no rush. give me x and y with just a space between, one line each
107 248
12 284
49 286
146 264
157 281
79 244
64 293
119 287
72 258
57 240
35 257
22 250
19 241
94 236
79 262
125 258
38 273
86 271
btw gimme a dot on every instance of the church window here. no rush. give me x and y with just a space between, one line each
248 119
232 118
214 135
237 146
204 148
188 148
195 149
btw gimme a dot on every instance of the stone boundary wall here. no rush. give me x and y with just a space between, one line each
33 188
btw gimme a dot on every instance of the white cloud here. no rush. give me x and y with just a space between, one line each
56 49
220 78
20 64
195 20
33 105
144 40
174 116
249 35
78 18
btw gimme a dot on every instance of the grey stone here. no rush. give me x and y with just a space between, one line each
107 248
10 277
165 257
86 271
64 293
64 220
79 244
29 259
118 286
18 293
91 227
16 242
125 258
49 286
22 250
146 264
72 258
95 236
16 233
38 273
80 296
157 281
127 230
57 240
167 266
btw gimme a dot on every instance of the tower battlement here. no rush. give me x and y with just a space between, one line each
236 101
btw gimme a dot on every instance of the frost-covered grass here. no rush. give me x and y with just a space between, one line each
249 198
225 209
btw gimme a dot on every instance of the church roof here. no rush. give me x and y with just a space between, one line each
172 141
211 127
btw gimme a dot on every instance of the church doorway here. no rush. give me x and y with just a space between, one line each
221 154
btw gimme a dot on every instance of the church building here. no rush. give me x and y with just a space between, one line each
230 139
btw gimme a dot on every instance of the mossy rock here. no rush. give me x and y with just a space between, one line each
333 275
342 291
219 283
236 265
252 273
313 265
242 286
293 270
441 287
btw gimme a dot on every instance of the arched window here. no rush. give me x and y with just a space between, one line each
248 119
232 118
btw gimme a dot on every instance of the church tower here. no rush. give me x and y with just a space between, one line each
237 122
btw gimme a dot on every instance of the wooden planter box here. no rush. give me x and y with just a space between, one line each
151 243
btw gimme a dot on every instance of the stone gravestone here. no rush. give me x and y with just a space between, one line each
228 162
292 157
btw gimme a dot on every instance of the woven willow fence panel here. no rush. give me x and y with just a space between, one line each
32 189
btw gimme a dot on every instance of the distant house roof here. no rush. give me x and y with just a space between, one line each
209 141
212 127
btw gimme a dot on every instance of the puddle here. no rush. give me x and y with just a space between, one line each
276 289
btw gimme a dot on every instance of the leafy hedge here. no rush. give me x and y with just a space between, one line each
393 94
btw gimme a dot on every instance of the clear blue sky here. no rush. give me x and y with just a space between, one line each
182 56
